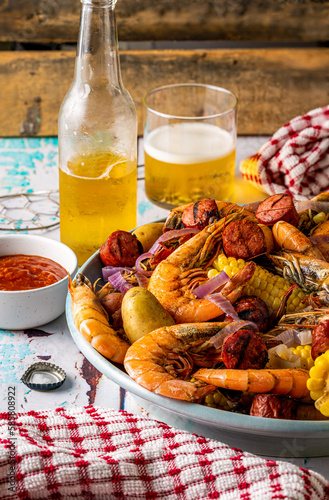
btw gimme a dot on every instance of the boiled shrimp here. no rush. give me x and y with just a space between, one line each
174 279
291 382
288 237
92 321
162 360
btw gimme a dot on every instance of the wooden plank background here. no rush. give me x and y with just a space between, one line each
273 84
260 20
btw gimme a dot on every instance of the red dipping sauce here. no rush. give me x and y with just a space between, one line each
28 272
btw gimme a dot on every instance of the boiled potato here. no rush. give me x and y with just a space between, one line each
148 234
142 313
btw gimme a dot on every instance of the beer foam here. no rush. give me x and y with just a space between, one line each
184 143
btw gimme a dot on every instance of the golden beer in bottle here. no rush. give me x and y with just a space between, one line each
97 139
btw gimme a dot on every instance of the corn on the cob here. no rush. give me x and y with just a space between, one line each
304 353
318 383
249 170
264 284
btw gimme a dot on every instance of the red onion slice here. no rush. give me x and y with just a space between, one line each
211 285
224 304
170 235
218 339
304 337
287 337
291 337
176 233
110 270
119 283
139 259
317 206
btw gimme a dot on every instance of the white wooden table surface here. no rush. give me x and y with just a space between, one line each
31 165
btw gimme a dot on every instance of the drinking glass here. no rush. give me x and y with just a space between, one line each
189 143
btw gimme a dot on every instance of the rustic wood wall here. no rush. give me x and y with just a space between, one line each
288 76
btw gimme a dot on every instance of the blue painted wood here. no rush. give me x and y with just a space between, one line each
28 165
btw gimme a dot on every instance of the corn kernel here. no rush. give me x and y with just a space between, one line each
262 274
323 407
212 273
256 282
314 384
209 399
322 363
316 372
228 270
262 285
315 394
217 398
276 303
235 270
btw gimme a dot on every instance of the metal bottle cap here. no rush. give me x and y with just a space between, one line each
43 376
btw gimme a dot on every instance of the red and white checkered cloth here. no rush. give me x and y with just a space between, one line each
98 453
296 159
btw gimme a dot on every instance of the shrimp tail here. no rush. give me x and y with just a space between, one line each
291 382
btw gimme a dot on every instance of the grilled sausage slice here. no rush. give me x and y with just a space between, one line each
120 249
275 208
244 349
200 214
243 239
253 309
320 338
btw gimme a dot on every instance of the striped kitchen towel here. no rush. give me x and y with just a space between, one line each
98 453
296 158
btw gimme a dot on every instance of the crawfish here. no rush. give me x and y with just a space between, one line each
174 279
162 360
288 237
310 274
92 321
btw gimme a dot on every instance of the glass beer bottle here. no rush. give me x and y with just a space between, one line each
97 139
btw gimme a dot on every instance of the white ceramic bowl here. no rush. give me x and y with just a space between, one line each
24 309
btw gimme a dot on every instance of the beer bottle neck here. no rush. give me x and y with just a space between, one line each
97 61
